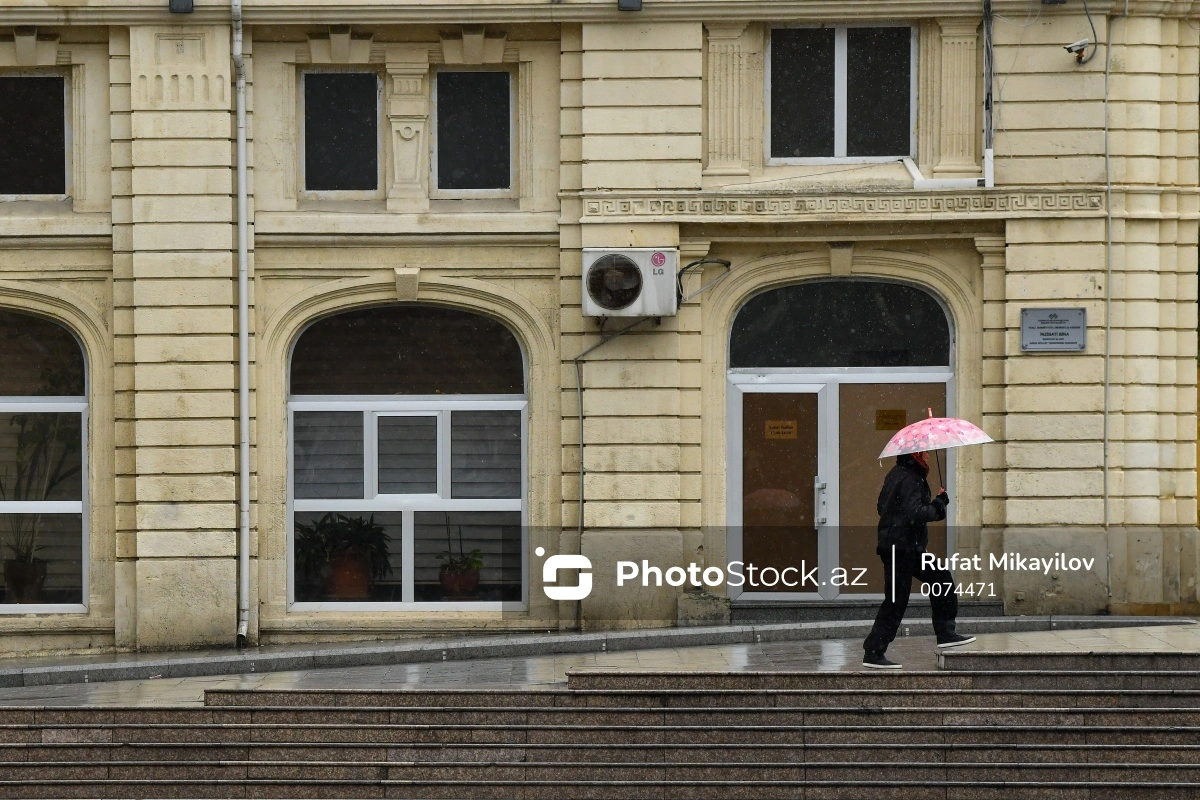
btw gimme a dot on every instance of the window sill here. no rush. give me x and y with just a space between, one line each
51 218
362 222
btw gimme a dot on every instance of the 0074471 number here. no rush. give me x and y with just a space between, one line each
961 589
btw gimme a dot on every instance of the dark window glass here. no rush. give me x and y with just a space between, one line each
485 454
55 574
341 131
474 123
802 92
407 455
38 357
841 324
407 349
348 557
329 454
878 91
33 149
466 556
41 457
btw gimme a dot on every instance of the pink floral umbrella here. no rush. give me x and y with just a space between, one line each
934 433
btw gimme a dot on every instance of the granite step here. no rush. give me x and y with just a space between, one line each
772 789
1013 677
933 751
1146 660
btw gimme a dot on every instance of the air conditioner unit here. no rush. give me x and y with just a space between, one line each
630 282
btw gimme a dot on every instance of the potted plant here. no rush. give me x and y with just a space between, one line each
42 459
459 575
340 557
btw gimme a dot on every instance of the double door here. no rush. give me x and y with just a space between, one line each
804 478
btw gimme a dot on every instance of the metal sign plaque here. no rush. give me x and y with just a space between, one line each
1053 330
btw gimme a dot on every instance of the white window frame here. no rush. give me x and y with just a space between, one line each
380 190
372 408
840 69
56 405
512 191
826 384
68 141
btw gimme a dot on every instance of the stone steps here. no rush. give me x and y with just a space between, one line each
1017 660
961 735
1010 677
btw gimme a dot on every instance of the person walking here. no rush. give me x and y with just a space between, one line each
905 511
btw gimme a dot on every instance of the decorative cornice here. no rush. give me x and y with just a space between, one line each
361 12
840 207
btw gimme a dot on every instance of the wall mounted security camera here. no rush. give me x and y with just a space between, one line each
1078 49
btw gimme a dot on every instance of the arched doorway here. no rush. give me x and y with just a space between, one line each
43 453
821 374
406 479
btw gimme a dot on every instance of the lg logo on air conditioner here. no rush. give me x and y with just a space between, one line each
550 572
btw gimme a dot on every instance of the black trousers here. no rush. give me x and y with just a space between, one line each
908 566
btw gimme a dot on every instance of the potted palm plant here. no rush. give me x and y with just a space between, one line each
459 575
340 557
43 458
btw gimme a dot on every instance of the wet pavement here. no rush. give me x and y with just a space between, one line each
549 671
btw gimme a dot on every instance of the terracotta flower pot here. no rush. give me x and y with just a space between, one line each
349 577
23 581
459 584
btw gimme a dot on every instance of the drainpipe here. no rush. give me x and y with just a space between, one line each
239 64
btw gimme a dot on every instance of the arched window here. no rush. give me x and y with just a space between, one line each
841 323
407 459
43 414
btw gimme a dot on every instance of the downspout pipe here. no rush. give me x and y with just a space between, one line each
239 64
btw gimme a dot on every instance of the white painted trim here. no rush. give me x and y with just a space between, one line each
372 408
507 193
840 78
826 384
69 405
305 193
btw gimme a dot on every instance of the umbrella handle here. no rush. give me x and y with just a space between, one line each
938 459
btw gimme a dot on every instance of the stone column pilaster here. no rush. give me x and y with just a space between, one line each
184 345
726 77
960 99
408 118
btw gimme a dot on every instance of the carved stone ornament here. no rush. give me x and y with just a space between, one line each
791 207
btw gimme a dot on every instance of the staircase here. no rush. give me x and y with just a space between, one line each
955 735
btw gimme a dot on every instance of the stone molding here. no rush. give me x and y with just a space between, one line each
726 78
123 12
846 207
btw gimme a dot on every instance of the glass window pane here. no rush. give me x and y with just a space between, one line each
41 456
485 454
329 454
43 558
408 455
407 350
878 91
341 131
802 92
33 150
467 556
349 557
41 358
841 324
474 128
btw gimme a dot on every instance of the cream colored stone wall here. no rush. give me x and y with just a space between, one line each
632 130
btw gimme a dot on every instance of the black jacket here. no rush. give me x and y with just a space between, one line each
905 507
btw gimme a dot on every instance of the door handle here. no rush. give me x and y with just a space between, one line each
818 501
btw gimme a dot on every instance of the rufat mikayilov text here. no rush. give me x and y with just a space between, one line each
1011 562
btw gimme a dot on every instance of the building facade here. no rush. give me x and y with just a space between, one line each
425 184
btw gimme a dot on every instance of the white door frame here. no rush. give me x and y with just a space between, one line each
825 383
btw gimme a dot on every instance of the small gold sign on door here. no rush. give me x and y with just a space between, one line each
890 419
781 429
